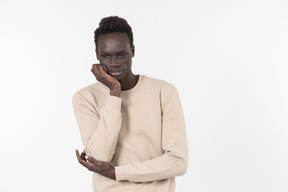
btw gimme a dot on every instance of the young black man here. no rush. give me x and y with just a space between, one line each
132 126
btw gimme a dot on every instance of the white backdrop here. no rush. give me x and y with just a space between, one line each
228 59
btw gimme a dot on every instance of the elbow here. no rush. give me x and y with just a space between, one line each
180 165
100 155
183 167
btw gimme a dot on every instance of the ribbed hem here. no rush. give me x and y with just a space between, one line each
122 173
113 103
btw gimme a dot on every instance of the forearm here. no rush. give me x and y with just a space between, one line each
99 131
102 143
164 167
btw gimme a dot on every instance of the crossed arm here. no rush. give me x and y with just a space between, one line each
173 162
101 167
101 133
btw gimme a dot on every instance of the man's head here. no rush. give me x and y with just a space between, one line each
111 25
114 47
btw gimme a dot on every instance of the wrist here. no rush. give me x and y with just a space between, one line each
110 173
115 92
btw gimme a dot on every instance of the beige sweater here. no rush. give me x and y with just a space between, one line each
142 134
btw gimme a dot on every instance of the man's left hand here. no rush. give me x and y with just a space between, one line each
101 167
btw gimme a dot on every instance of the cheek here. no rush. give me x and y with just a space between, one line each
127 61
104 62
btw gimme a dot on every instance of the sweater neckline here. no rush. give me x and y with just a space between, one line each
136 87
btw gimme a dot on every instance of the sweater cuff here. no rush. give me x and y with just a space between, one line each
113 103
122 173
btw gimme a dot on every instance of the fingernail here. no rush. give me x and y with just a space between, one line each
86 157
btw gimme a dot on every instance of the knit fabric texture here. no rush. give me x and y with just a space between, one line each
142 133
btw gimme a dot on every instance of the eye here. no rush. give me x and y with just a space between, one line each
121 55
106 56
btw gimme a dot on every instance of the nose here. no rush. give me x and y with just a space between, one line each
114 62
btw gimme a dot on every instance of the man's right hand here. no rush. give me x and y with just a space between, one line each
102 76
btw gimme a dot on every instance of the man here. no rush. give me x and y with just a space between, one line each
132 126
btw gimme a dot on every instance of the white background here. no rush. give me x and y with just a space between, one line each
228 60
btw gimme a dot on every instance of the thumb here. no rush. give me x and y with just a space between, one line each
90 159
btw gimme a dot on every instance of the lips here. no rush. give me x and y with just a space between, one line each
116 73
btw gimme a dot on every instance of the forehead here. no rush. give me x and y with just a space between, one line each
112 42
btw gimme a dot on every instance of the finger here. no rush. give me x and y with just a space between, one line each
90 159
94 161
77 152
80 159
97 70
94 66
84 163
83 154
104 68
90 166
78 155
101 69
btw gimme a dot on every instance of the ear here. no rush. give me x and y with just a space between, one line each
133 50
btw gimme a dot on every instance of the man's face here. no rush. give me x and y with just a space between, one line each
114 51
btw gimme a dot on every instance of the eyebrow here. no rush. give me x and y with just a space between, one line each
118 52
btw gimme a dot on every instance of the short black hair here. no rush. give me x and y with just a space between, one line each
113 24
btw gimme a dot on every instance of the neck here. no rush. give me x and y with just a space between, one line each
129 82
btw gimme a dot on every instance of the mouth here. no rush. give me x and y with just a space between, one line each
116 73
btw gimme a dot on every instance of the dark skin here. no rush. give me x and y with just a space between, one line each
101 167
114 53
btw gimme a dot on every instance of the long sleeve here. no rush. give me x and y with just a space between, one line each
99 130
174 161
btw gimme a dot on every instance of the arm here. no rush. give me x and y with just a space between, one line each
174 161
99 129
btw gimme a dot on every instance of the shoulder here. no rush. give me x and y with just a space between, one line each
166 91
161 85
